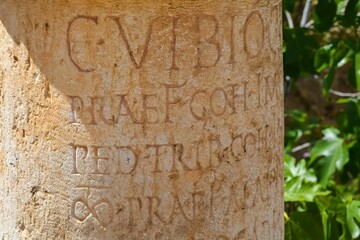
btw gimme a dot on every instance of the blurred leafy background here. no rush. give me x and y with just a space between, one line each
322 138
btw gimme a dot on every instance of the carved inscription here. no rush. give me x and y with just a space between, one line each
173 158
220 201
199 155
261 90
102 210
142 120
255 31
178 124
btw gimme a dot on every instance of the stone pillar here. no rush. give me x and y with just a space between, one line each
141 119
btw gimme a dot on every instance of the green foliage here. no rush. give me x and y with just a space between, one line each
300 182
322 159
325 13
333 155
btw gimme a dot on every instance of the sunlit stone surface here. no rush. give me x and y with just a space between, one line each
141 119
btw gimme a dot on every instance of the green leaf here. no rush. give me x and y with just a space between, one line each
342 55
328 80
306 193
332 211
322 58
352 77
332 57
332 152
326 146
300 52
351 11
353 218
293 171
289 5
302 226
325 13
324 217
357 70
297 114
300 182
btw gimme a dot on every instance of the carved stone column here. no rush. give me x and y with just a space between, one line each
141 119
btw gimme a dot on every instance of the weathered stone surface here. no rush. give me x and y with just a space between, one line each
141 119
